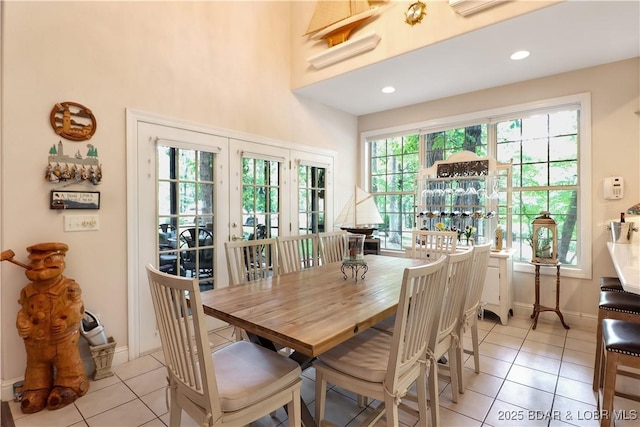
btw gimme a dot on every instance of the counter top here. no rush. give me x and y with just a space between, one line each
626 260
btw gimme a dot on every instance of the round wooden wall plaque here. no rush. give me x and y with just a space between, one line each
73 121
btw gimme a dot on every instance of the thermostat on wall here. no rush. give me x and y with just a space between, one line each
613 188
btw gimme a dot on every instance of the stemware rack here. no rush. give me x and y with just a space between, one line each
465 191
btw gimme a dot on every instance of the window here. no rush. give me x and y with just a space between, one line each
393 164
311 199
186 213
548 145
544 152
260 198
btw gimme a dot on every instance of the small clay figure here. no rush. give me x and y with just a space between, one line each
49 323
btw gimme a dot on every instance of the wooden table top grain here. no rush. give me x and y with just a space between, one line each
312 310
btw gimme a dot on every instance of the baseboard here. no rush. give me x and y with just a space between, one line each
578 320
120 356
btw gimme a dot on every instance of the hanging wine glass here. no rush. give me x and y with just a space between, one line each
481 193
471 189
494 193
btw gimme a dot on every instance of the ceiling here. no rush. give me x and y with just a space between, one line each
563 37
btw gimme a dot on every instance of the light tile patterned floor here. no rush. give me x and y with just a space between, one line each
528 378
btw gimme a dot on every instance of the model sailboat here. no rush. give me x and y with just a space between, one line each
334 20
359 214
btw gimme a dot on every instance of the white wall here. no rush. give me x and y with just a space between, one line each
219 64
615 102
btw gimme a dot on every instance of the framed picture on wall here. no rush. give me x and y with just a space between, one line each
74 199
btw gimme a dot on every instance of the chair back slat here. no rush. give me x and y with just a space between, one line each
331 246
249 260
455 291
477 278
416 317
180 319
430 245
298 252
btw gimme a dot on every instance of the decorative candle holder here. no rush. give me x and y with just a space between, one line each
353 256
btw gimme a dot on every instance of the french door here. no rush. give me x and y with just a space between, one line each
259 180
174 210
196 188
266 179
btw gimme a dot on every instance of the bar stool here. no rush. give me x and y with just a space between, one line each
611 284
620 347
614 305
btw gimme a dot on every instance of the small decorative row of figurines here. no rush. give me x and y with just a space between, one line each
58 173
83 168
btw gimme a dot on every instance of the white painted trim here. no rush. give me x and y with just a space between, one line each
133 270
145 116
469 7
345 50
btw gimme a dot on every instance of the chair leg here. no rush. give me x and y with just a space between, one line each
362 401
454 363
434 400
321 396
599 369
295 410
460 365
610 360
421 385
598 354
238 334
391 411
175 411
476 346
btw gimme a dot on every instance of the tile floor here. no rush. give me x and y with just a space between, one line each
528 377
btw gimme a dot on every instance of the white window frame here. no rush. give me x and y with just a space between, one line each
492 116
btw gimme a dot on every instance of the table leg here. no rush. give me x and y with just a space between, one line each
536 304
558 298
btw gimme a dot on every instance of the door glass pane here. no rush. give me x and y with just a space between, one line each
186 213
311 193
260 198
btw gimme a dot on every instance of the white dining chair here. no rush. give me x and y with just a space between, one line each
447 339
471 309
331 246
383 366
429 245
298 252
249 260
233 386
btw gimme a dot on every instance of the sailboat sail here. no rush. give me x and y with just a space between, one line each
360 210
333 21
329 12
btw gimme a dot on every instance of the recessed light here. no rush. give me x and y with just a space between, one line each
521 54
388 89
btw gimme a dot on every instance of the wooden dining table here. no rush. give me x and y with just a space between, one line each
313 310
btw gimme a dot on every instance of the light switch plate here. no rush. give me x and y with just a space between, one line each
81 222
